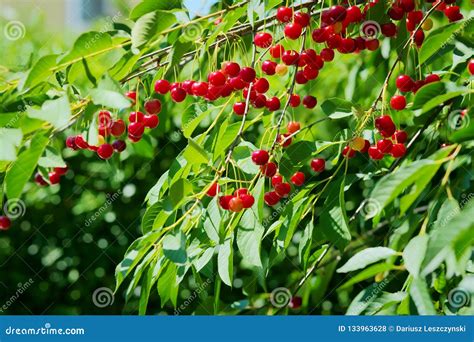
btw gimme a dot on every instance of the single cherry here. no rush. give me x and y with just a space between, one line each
247 200
236 205
271 198
298 178
284 14
283 189
153 106
105 151
318 165
260 157
5 223
398 102
310 101
116 129
162 86
269 169
398 150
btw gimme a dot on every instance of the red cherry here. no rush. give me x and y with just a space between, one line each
374 153
153 106
347 45
301 78
404 83
273 104
302 18
295 100
348 152
385 125
178 94
284 140
247 74
372 44
269 169
260 157
298 178
187 86
419 38
284 14
290 57
417 85
384 146
105 151
261 85
119 145
389 30
239 108
241 191
271 198
40 180
132 95
366 146
407 5
136 117
71 143
398 150
400 136
237 83
247 200
398 102
224 201
200 88
277 179
231 69
263 39
319 35
260 101
216 78
268 67
136 129
5 223
327 54
236 205
470 66
104 118
318 165
353 14
293 30
54 178
310 72
337 13
396 12
81 143
61 170
162 86
333 41
309 101
276 51
283 189
117 128
213 190
151 121
104 131
432 78
293 126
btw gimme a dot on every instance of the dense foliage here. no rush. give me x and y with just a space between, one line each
308 159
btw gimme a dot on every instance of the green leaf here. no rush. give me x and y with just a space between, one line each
421 296
436 101
150 26
366 257
22 169
427 93
305 244
249 237
337 108
51 158
10 139
414 254
367 273
364 298
41 71
109 94
174 248
195 154
168 286
179 191
437 39
295 157
147 6
225 259
56 112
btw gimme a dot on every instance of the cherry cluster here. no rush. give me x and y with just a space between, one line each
109 127
406 84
